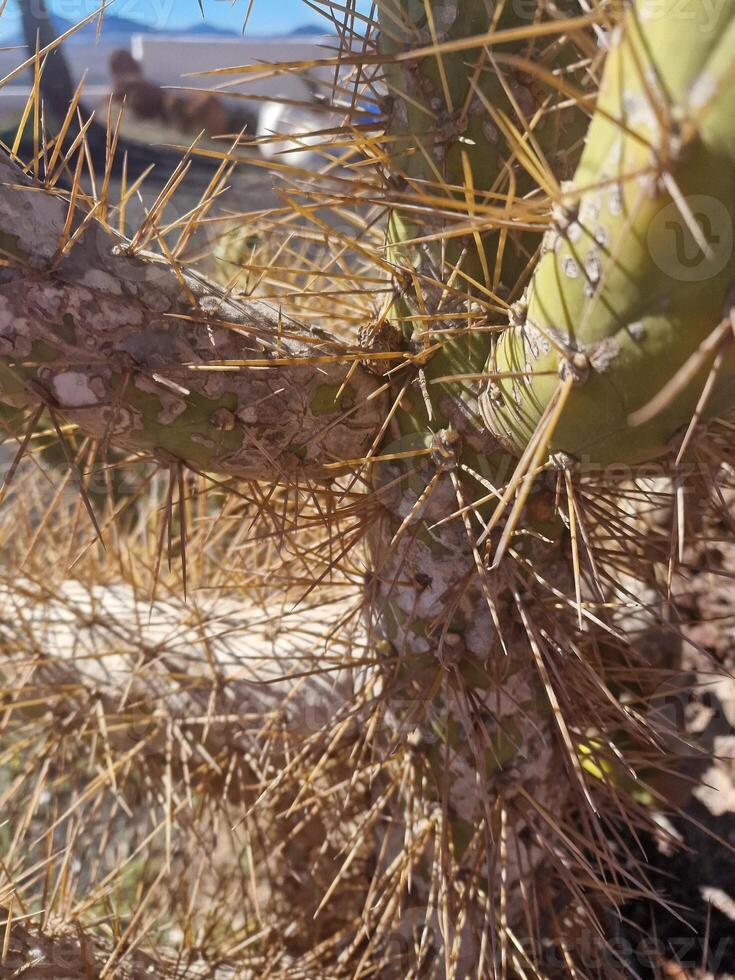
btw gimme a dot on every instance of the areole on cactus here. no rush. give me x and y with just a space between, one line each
560 300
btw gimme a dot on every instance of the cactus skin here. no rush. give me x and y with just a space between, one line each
112 341
624 287
442 136
466 685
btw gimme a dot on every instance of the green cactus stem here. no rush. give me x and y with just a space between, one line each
634 294
463 681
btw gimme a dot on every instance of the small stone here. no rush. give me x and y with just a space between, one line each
223 420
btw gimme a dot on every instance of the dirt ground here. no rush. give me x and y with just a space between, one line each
696 875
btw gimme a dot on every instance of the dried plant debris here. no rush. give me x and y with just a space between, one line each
367 535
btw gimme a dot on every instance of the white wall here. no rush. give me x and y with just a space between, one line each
166 59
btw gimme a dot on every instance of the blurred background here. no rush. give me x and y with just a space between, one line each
142 51
143 66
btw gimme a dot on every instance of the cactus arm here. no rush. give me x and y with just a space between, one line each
253 679
638 268
123 344
446 118
462 682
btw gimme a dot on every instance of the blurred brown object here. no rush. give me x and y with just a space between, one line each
674 971
145 99
190 113
194 113
123 65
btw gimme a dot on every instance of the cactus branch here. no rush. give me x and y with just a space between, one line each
154 358
90 641
469 685
634 292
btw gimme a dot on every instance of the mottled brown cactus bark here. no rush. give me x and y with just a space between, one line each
161 361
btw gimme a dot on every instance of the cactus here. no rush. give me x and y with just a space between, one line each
634 289
555 299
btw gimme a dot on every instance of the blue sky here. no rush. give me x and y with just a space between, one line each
267 17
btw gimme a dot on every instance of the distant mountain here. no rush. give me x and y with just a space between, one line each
307 30
122 29
202 27
111 24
